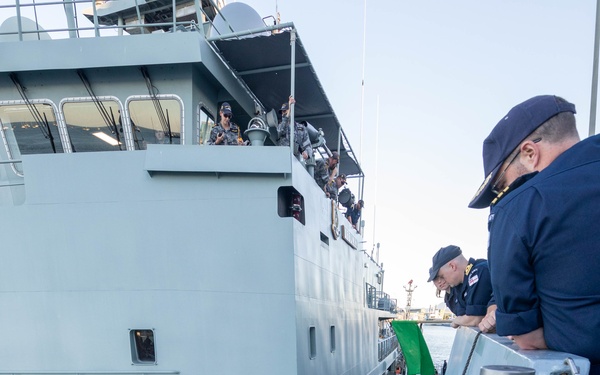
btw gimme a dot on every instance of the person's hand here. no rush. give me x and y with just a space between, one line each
305 155
466 321
530 340
291 100
220 138
488 323
241 142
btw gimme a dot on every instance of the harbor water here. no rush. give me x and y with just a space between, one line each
439 340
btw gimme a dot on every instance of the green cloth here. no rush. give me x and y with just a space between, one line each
414 348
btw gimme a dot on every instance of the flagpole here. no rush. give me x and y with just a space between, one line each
594 99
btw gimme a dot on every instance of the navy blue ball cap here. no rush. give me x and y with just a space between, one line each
226 109
520 121
284 107
443 256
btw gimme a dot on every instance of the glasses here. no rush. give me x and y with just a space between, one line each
226 115
496 186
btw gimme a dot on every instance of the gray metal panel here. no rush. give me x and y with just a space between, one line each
218 159
114 51
492 349
205 261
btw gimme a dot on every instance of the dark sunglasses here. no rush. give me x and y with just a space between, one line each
226 115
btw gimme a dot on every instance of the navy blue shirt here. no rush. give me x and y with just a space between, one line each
451 300
475 292
544 253
354 214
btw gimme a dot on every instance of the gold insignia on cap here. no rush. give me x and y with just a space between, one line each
483 185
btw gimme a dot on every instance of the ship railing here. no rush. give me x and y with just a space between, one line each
387 346
386 303
11 183
90 372
96 28
371 296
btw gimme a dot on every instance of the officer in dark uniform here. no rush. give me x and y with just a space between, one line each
470 280
543 186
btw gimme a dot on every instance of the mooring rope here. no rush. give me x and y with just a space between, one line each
471 353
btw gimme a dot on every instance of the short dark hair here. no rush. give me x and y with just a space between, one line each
557 128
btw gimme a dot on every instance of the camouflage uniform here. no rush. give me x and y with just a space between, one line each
300 137
332 190
231 135
322 172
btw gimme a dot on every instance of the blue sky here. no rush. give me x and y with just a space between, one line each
443 73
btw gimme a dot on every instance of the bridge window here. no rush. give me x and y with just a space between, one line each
207 121
94 125
29 129
155 120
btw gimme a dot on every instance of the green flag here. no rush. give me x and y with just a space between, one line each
414 348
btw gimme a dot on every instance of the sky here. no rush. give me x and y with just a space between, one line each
438 75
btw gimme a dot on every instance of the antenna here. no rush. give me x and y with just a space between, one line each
362 85
409 292
376 172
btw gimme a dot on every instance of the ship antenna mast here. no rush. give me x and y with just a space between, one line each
409 292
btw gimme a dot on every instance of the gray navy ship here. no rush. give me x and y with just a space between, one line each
130 245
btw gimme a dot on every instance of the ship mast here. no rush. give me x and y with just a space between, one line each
409 292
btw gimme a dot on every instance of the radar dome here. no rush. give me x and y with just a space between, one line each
10 30
235 17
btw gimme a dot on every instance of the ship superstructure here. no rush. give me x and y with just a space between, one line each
129 245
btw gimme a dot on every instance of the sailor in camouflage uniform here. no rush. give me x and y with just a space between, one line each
301 139
326 170
225 132
334 187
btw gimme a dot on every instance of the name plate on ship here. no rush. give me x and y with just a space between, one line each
349 237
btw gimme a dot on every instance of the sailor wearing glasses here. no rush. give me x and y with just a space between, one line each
225 132
543 185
